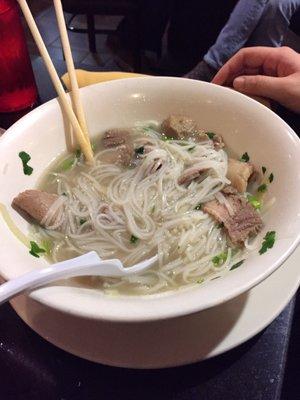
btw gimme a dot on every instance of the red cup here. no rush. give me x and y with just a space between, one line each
18 90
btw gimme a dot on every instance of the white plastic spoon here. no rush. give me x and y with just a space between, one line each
89 264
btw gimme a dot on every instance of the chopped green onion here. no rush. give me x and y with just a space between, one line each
210 135
238 264
35 250
271 177
67 164
133 239
140 150
245 157
268 242
153 209
200 280
166 138
219 259
93 146
262 188
198 207
64 194
25 157
82 221
220 225
254 202
263 170
47 245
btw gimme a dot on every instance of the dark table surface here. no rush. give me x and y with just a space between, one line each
264 368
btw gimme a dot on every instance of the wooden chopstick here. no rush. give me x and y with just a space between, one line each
77 104
84 144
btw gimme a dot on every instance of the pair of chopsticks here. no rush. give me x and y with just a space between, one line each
76 117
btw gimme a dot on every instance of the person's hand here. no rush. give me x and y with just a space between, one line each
264 71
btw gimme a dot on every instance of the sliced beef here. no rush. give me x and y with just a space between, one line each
190 174
244 221
120 140
229 190
180 127
35 203
125 154
239 173
115 137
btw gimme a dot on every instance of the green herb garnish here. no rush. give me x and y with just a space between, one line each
35 250
268 242
153 209
254 202
93 146
210 135
133 239
200 280
67 164
78 153
198 207
166 138
82 221
191 148
271 177
262 188
263 170
25 157
219 259
245 157
220 225
47 245
238 264
140 150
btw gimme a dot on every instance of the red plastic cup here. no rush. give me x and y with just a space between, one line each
18 90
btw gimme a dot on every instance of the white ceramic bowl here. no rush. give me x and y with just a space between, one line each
245 125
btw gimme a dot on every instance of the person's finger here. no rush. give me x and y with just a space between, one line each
247 59
260 85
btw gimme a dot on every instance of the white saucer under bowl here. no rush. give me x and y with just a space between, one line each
171 342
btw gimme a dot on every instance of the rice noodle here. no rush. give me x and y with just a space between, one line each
134 213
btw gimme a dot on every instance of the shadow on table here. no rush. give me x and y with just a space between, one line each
50 373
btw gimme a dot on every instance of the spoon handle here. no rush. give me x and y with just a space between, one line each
76 267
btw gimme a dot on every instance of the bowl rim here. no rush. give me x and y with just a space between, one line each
51 295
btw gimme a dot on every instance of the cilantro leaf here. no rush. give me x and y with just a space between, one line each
271 177
238 264
210 135
191 148
133 239
35 250
262 188
140 150
245 157
25 157
268 242
254 202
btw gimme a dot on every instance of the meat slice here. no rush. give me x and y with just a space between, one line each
243 220
180 127
120 140
115 137
238 173
125 154
35 203
190 174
